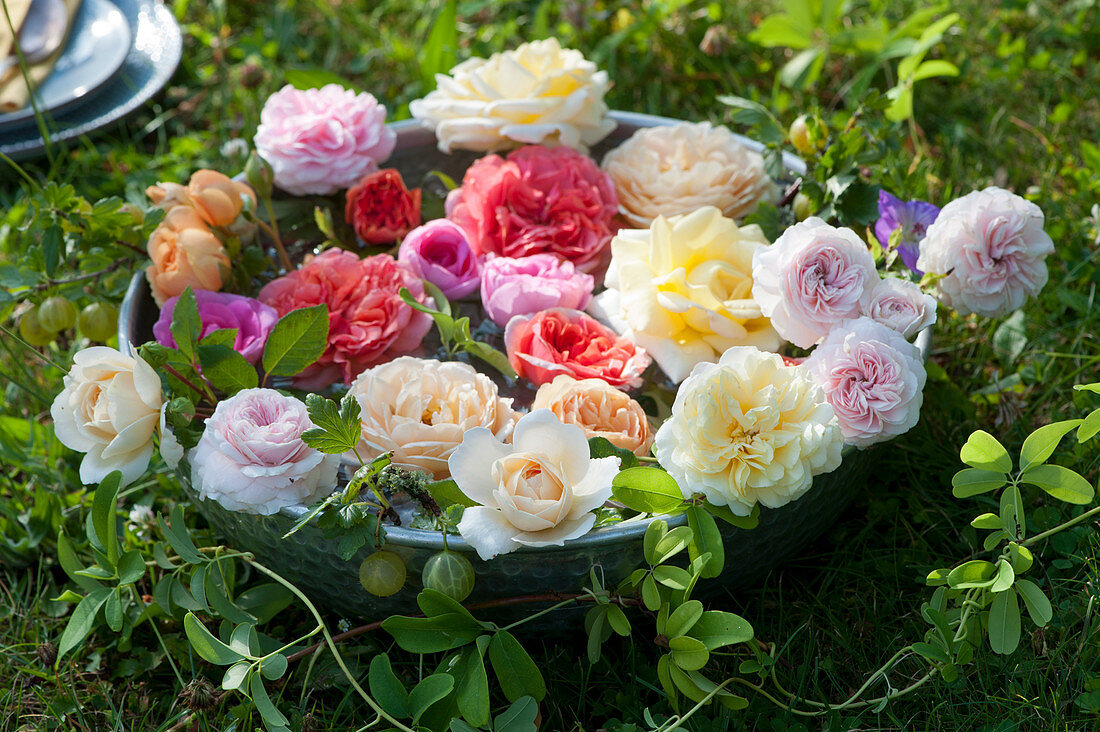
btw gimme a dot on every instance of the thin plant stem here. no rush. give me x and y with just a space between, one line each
32 349
1062 527
272 230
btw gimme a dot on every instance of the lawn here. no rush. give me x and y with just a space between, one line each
1022 113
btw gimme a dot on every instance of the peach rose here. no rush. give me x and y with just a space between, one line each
216 198
599 409
185 253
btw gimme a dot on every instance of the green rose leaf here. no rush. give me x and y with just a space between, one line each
297 341
227 370
646 490
186 324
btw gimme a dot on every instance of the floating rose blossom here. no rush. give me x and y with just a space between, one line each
526 285
912 217
252 320
538 491
538 200
439 253
320 141
216 198
251 457
990 246
381 209
562 341
681 289
599 409
538 93
108 409
748 430
873 378
368 321
901 305
813 277
675 169
419 409
185 253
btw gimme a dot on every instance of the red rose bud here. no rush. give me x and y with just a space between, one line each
381 209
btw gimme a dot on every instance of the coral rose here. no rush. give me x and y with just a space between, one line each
599 409
216 198
108 409
538 491
320 141
901 305
252 320
537 93
526 285
749 430
418 409
990 246
381 209
681 289
251 457
675 169
185 253
813 277
439 253
368 321
538 200
562 341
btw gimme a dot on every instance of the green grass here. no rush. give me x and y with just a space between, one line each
1016 116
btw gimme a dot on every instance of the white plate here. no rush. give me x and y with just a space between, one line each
98 44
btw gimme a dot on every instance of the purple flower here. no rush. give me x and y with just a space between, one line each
912 217
251 319
439 253
527 285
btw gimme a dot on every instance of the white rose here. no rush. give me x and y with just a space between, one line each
749 430
108 409
170 448
675 169
990 245
901 305
538 491
539 93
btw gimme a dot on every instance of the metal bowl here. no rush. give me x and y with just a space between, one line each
312 562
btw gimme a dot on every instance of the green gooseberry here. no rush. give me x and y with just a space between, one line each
382 573
56 314
32 331
98 321
450 573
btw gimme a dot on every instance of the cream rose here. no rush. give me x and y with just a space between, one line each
108 409
666 171
538 491
539 93
749 430
682 289
418 410
599 409
990 246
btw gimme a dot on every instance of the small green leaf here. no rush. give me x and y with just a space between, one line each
974 481
112 611
1004 578
683 618
1041 443
274 667
227 370
706 538
337 429
651 597
676 578
653 534
104 507
1089 427
1061 483
519 717
206 645
178 537
386 688
131 567
595 621
82 620
220 337
717 628
431 635
186 326
990 521
270 713
984 452
688 653
931 652
618 620
236 675
1036 602
428 692
671 544
440 50
515 670
1004 623
742 522
600 447
1021 557
646 490
975 573
298 339
491 356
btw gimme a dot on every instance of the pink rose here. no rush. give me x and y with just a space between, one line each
251 457
538 200
813 277
873 378
439 253
901 305
562 341
320 141
368 321
527 285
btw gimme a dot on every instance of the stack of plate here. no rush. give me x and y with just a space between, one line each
119 53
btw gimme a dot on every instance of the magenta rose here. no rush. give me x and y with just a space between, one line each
439 253
537 200
251 319
562 341
873 378
812 278
368 321
527 285
320 141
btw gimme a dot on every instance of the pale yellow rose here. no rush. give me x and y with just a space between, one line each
108 409
682 289
599 409
666 171
538 93
749 430
216 198
418 409
185 253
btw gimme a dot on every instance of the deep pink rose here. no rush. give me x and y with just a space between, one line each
368 322
252 320
320 141
562 341
439 253
873 378
538 200
527 285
